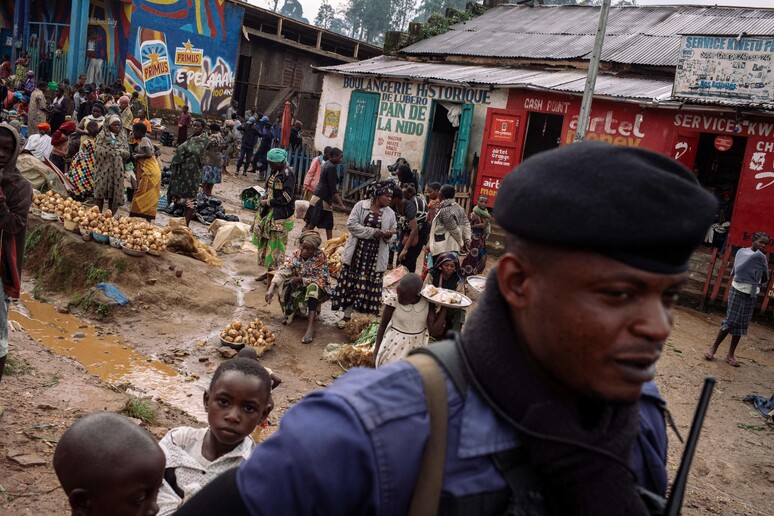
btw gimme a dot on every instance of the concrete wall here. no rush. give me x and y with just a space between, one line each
403 123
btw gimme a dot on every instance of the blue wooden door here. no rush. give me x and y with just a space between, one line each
463 138
361 126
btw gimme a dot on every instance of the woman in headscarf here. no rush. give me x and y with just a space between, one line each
303 281
59 108
126 115
479 218
111 151
28 82
372 226
39 144
212 160
146 166
186 168
446 274
81 171
36 112
274 219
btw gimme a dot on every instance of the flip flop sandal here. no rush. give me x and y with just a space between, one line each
732 362
709 356
307 340
341 323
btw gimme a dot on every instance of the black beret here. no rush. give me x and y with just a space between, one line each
633 205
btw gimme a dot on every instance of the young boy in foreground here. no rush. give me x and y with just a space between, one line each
236 403
109 466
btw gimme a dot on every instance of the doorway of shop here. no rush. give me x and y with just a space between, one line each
717 166
543 133
447 142
361 127
242 84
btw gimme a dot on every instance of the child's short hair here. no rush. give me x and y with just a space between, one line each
411 281
246 366
95 445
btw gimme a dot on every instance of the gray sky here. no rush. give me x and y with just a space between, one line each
311 6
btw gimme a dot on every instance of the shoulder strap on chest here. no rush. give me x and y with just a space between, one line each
446 353
427 491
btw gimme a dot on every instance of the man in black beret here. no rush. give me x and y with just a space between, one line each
542 388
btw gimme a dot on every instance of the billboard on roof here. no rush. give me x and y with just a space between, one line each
725 67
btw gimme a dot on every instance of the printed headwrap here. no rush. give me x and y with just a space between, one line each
310 237
380 188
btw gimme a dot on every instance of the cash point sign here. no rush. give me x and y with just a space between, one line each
723 67
183 52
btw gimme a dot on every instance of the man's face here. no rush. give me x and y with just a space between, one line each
123 103
335 158
760 244
7 147
595 325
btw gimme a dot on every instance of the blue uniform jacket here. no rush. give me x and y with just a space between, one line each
356 448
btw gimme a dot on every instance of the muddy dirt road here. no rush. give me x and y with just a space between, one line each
164 347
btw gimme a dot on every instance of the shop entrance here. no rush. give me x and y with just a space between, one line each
543 133
447 143
718 170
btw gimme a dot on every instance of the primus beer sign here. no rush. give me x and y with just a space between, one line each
156 75
183 55
187 55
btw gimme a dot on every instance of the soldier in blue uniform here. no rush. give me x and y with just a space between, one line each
546 412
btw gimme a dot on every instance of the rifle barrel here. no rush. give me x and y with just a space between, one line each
678 488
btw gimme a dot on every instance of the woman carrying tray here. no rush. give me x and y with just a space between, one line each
446 274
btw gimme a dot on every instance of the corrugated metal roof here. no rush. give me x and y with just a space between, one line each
570 81
635 35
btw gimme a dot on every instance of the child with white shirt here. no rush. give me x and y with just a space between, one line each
236 403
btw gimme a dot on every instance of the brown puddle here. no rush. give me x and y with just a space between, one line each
108 357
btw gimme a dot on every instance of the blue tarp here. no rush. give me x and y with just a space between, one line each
113 293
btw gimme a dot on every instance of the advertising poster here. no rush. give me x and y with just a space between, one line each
183 52
724 67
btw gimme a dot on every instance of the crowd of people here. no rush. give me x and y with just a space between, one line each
393 220
548 387
584 434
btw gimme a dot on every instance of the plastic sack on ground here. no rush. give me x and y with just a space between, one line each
230 237
182 241
301 208
42 177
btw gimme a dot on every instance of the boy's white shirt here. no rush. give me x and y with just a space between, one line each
181 446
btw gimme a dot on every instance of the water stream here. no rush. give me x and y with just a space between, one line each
107 356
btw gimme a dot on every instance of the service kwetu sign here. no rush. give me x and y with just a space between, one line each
725 67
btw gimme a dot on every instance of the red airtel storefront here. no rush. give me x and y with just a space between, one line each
731 156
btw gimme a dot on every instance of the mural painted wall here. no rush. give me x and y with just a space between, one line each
49 25
6 17
403 124
183 52
108 34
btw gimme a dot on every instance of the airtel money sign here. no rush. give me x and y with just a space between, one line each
617 128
